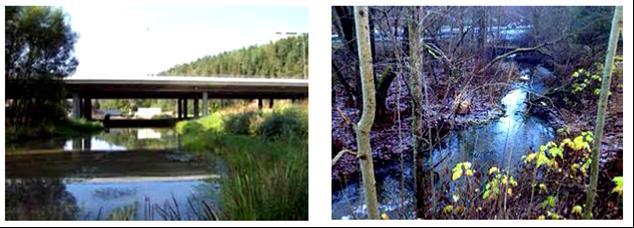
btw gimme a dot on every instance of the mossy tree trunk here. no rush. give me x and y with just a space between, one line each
603 102
382 89
369 104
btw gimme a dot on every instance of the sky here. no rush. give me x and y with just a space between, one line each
118 40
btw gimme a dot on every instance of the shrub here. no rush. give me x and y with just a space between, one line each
239 123
287 122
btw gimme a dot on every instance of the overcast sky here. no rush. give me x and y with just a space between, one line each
141 40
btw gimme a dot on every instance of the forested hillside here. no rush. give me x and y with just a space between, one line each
283 58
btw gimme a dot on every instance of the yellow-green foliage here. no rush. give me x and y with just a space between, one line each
498 182
618 181
547 154
460 168
555 169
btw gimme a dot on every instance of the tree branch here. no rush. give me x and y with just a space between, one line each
340 154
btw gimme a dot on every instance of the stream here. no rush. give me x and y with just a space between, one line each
492 144
143 171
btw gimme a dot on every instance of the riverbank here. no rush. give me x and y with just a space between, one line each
66 129
559 109
391 140
267 156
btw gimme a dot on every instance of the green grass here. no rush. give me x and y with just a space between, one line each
268 163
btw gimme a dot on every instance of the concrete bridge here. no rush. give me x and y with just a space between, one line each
82 89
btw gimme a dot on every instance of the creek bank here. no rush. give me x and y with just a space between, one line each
387 145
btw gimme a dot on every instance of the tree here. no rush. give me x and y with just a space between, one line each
602 105
415 91
282 58
369 104
38 54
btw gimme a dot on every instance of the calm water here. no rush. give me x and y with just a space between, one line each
89 178
492 144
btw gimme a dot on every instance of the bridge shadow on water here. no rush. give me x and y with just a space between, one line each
140 123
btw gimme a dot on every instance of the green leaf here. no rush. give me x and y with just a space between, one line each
448 209
556 152
618 181
577 210
542 159
457 173
548 202
493 170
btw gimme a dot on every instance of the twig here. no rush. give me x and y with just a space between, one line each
346 119
340 154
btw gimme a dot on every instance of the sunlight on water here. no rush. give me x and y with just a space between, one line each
514 104
94 144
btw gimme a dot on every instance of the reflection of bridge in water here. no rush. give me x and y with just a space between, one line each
85 88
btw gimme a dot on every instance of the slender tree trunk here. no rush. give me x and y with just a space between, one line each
367 117
415 91
603 102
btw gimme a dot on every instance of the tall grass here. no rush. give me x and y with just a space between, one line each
267 156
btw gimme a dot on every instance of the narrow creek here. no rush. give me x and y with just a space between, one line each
492 144
142 170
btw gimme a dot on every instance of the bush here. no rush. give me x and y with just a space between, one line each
189 127
550 184
287 122
239 123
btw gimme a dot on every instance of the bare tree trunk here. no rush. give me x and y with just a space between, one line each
369 104
603 102
415 91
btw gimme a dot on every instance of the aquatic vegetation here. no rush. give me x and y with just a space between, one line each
113 193
127 212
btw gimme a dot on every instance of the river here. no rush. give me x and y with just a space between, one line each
142 173
498 143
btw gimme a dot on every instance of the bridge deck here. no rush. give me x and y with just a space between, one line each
186 87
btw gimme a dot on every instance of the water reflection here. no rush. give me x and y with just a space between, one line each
39 199
81 179
499 142
114 139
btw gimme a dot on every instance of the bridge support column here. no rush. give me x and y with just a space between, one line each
76 144
260 103
178 108
205 111
196 108
185 110
270 103
76 109
87 108
86 143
